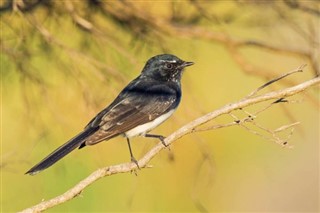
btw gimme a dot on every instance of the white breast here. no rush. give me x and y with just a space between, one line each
144 128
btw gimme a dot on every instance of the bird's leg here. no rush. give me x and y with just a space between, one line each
160 137
131 155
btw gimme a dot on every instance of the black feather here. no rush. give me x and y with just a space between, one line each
62 151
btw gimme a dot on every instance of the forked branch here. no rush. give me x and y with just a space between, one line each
186 129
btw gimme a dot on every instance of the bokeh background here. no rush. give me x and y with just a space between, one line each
63 61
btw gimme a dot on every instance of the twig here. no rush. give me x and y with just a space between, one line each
299 69
186 129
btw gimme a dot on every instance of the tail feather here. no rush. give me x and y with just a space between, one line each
60 152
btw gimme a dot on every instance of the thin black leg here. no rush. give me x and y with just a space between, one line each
160 137
131 155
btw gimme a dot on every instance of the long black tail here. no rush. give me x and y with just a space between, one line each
61 151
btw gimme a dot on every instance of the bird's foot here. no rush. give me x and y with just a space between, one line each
133 160
161 138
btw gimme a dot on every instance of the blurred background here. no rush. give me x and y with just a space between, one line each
64 61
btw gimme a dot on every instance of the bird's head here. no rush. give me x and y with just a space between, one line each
165 67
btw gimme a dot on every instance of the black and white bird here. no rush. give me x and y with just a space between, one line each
142 105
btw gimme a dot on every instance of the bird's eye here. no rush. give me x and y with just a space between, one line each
169 65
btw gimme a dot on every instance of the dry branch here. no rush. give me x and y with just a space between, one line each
186 129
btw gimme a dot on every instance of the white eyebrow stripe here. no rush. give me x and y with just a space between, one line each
172 61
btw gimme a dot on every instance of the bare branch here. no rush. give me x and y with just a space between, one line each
299 69
296 5
186 129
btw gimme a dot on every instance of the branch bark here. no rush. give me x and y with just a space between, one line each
186 129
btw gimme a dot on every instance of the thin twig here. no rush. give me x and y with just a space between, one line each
186 129
299 69
285 127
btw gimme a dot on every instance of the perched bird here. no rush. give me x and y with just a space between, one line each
145 103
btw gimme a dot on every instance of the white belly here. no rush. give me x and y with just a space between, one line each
144 128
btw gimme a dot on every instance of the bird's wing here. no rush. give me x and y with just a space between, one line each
132 111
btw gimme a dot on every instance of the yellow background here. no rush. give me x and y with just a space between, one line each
228 169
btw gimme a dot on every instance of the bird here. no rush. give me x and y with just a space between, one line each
145 103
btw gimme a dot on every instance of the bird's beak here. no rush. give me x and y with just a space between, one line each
186 64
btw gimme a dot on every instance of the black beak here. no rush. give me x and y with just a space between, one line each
186 64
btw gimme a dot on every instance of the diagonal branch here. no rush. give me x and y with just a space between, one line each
300 69
186 129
